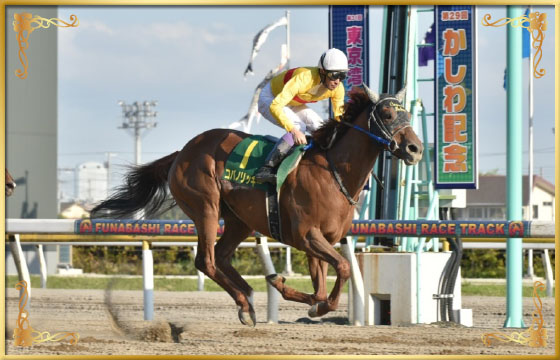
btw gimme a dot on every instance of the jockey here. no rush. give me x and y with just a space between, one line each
283 102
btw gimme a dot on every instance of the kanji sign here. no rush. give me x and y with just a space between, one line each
455 77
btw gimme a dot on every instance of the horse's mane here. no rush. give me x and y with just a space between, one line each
354 107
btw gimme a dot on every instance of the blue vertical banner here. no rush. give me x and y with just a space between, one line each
349 32
455 98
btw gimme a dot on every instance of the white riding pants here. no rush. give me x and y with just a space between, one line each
303 118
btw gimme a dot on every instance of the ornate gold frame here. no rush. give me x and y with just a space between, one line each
24 24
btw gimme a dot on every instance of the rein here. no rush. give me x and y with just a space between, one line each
374 137
339 180
386 141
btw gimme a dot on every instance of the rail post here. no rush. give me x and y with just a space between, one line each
549 275
200 274
272 294
288 270
358 316
21 264
148 280
42 265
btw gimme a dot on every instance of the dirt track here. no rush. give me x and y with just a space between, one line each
197 323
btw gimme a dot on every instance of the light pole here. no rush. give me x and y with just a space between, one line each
137 117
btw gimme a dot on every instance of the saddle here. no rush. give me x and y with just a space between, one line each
244 161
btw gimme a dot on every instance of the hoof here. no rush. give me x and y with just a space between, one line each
315 311
272 279
251 300
247 318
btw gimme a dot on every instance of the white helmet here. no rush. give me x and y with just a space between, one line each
333 60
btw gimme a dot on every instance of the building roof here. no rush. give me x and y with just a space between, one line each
74 211
492 190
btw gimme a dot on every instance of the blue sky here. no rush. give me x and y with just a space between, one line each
191 60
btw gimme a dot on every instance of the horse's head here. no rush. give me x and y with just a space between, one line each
390 120
10 184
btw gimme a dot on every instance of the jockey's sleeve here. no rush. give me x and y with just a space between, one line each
337 101
298 83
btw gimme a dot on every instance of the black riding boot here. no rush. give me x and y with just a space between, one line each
266 173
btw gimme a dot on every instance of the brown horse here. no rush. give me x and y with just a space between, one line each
315 214
10 184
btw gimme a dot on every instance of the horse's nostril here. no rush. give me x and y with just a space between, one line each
412 149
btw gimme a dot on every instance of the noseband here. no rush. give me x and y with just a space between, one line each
387 132
379 131
385 137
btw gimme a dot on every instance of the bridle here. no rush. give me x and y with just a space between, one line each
379 132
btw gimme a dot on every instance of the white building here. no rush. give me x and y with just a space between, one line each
91 182
489 201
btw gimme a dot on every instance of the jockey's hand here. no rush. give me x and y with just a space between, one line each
299 137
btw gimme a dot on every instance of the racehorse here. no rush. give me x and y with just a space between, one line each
316 201
10 184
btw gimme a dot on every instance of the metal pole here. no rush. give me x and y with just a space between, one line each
272 294
514 254
138 116
138 144
148 280
21 264
287 39
548 274
288 269
200 278
530 271
42 265
358 313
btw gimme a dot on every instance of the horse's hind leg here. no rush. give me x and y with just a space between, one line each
235 232
206 262
206 220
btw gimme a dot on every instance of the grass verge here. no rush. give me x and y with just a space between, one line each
160 284
258 284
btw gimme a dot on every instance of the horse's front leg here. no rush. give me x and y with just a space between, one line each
315 245
318 272
288 293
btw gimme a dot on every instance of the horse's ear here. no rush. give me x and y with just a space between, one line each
373 96
401 94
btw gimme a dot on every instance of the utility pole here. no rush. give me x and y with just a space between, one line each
137 117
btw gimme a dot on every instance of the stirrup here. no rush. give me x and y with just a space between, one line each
265 174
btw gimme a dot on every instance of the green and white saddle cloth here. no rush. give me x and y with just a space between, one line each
249 155
244 161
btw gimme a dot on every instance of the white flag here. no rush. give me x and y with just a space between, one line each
246 121
259 40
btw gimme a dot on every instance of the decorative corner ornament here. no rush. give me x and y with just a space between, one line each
24 24
25 335
535 335
536 24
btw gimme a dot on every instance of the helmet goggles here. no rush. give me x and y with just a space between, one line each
337 75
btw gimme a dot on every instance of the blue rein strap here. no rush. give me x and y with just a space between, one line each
374 137
308 146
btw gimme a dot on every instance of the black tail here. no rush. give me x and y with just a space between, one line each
145 189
